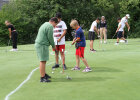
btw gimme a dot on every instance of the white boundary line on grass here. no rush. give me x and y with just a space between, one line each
26 80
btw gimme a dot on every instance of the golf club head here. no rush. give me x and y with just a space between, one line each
69 78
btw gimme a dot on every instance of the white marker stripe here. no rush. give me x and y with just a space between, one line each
28 78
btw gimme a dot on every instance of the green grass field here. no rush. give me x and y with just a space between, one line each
115 76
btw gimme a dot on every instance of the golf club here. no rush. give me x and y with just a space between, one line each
67 76
114 36
8 45
61 62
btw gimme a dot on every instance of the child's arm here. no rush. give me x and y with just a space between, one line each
75 40
118 28
9 32
64 33
127 26
50 37
95 29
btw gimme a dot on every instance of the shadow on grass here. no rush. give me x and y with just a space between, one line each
106 69
81 79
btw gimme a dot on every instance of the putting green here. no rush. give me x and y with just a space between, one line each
115 76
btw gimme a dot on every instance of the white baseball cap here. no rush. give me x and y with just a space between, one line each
103 17
127 15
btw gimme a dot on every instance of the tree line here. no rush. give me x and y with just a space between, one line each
28 15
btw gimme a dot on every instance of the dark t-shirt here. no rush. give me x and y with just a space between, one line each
103 24
80 34
12 27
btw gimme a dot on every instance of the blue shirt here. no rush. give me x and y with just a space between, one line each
80 35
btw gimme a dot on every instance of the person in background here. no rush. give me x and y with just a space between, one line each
91 34
103 29
124 20
13 35
59 33
43 40
119 31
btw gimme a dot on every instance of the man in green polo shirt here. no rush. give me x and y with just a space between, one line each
43 40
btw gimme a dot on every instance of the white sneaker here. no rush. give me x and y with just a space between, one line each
87 70
14 50
11 50
105 42
122 41
101 41
116 44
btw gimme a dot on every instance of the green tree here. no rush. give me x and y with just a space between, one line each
28 15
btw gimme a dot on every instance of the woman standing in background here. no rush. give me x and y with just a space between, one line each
103 29
12 35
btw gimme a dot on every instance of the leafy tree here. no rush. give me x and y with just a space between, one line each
28 15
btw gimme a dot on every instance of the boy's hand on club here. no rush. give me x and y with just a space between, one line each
58 40
72 43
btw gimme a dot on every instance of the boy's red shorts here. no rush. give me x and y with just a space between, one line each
60 48
80 51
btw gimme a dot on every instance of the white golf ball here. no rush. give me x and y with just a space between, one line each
52 72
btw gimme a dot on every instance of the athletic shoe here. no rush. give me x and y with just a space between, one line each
105 42
87 69
126 41
47 76
55 66
44 79
64 66
122 41
11 50
76 68
14 50
92 50
116 44
101 42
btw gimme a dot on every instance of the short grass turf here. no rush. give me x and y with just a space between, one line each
115 75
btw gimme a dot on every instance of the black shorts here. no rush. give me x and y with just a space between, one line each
120 34
91 35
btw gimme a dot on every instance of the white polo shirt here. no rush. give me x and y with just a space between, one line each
94 24
122 26
124 20
58 31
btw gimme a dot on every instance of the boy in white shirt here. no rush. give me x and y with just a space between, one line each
91 34
124 20
59 38
119 31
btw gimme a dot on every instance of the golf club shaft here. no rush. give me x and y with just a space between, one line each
8 44
114 36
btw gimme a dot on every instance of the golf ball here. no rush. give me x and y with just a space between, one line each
52 72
